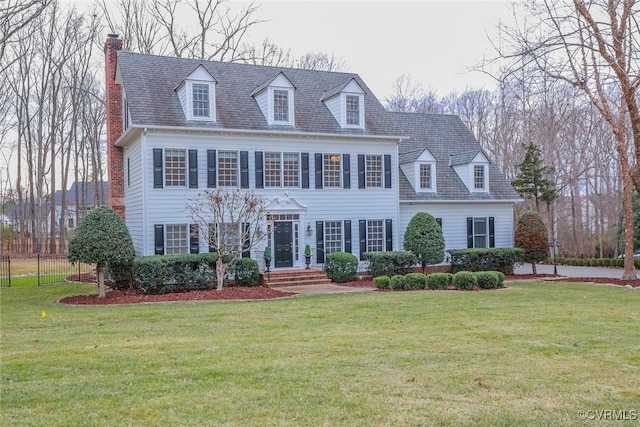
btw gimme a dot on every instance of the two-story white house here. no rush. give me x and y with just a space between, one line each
340 173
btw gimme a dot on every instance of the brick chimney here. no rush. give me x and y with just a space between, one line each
115 156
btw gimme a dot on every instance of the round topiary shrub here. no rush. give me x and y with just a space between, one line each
465 280
438 281
341 267
487 279
382 282
500 278
415 281
246 272
398 282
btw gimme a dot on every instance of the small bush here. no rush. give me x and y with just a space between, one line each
341 267
382 282
246 272
390 263
398 282
437 281
500 278
415 281
488 279
465 280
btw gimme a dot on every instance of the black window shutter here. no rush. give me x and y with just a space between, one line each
158 230
318 170
361 172
387 171
346 171
388 225
469 232
319 242
128 172
492 236
347 236
211 168
244 169
305 170
193 168
439 221
194 239
259 170
362 225
157 168
246 243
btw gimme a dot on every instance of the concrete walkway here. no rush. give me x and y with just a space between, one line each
572 271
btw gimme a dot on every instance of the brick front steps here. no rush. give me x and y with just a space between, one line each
293 277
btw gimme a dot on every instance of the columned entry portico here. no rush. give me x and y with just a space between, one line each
284 231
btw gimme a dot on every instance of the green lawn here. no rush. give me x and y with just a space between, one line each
544 352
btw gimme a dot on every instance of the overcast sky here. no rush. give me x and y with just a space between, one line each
435 42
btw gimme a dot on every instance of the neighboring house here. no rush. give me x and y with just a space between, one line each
338 170
79 198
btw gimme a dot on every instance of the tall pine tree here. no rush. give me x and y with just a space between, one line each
532 180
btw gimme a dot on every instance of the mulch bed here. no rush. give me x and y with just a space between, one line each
115 296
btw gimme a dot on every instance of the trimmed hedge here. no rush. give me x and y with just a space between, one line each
494 259
438 281
465 280
382 282
341 267
398 282
488 279
415 281
390 263
246 272
162 274
593 262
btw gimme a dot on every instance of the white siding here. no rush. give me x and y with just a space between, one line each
182 95
134 197
166 205
463 173
333 104
263 102
454 220
409 170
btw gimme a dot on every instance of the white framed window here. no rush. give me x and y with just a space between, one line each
228 168
352 110
332 237
200 98
374 170
332 170
281 169
480 233
479 177
426 176
230 237
281 106
176 238
375 235
175 168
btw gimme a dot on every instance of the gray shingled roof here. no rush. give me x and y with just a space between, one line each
149 83
445 136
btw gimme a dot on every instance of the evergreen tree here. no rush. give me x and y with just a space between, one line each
531 235
532 180
424 238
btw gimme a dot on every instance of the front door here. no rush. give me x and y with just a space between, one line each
283 244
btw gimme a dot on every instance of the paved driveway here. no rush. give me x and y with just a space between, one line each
572 271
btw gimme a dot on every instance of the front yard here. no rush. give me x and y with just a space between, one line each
533 354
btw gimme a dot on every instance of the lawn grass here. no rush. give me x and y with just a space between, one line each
544 352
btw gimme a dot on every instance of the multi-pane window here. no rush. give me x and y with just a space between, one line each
478 177
228 168
332 237
353 110
425 176
374 235
331 170
175 168
280 106
374 171
229 237
281 169
480 232
176 239
200 93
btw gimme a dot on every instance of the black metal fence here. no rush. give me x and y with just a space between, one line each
49 269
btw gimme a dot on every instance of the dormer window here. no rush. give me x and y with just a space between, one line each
426 176
200 93
275 99
479 178
280 106
353 110
197 94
